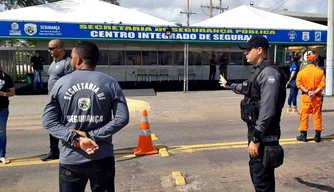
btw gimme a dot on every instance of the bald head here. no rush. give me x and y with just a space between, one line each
57 42
56 48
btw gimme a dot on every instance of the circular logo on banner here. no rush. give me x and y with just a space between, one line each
292 35
15 26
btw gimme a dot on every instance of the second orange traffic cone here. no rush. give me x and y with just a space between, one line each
145 145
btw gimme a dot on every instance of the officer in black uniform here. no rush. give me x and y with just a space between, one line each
261 109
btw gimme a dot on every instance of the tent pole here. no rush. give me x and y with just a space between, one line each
184 67
186 55
275 53
211 9
330 49
185 73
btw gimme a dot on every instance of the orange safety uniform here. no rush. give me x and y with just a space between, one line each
311 77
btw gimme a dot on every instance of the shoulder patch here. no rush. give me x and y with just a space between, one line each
271 79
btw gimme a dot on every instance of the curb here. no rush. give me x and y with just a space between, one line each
179 179
137 105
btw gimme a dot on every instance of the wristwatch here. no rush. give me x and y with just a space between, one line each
75 139
255 140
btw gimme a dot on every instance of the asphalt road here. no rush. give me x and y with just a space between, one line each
205 138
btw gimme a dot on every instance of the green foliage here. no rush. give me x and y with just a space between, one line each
17 43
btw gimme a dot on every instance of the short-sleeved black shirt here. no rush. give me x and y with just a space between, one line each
37 62
6 83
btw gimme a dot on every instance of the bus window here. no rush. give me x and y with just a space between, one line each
165 57
116 58
103 59
133 58
149 57
236 58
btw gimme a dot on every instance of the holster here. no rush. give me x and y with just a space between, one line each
273 156
249 111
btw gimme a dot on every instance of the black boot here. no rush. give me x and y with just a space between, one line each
302 136
51 156
317 137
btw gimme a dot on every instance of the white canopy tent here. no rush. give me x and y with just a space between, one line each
247 17
82 11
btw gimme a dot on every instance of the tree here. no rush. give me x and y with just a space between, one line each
13 4
17 43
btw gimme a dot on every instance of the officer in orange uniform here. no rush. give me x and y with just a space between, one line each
311 81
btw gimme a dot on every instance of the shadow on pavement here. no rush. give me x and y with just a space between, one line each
314 185
327 110
29 158
128 159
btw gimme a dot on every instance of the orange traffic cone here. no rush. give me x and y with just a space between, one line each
145 145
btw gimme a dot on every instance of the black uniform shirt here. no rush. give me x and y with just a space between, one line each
37 62
269 81
6 83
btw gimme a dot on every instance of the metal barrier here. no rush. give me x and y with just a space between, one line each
7 62
23 67
16 63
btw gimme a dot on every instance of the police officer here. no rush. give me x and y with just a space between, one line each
84 110
261 109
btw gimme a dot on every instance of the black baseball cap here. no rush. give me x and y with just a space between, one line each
256 41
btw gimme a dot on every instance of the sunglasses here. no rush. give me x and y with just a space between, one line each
251 48
248 49
52 48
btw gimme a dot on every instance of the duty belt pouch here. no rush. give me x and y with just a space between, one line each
273 156
245 89
249 111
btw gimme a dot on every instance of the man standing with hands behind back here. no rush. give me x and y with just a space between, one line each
261 109
60 66
84 110
311 81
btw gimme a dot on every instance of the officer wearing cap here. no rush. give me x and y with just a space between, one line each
261 109
311 81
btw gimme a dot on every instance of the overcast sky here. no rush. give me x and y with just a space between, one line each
170 9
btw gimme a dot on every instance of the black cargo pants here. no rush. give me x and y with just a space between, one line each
263 178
